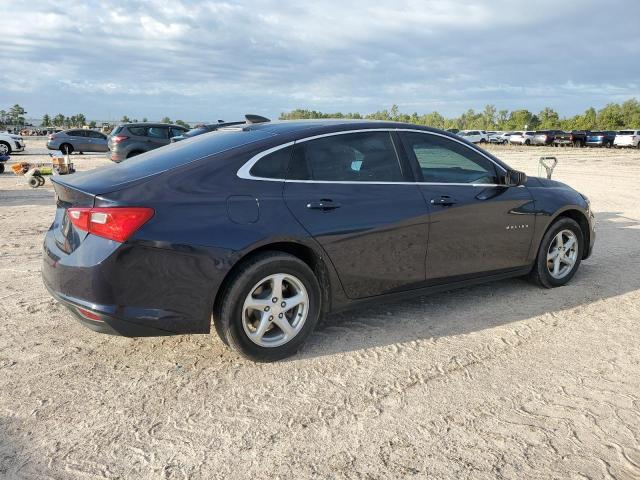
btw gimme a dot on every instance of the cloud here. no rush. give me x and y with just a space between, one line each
200 60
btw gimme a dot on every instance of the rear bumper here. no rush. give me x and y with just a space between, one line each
114 156
135 290
107 324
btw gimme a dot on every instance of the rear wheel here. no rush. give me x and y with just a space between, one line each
66 148
559 254
5 148
269 308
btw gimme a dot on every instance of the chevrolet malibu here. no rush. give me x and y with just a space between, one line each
260 229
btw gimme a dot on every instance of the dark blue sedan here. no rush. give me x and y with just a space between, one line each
265 227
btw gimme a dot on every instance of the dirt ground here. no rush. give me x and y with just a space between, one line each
504 380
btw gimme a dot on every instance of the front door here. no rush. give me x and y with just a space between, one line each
347 191
478 225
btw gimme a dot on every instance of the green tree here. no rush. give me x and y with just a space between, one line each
549 119
144 119
610 117
92 124
489 117
520 119
125 119
46 120
502 119
181 123
58 120
166 120
16 115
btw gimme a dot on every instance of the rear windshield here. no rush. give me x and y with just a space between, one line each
116 130
181 153
626 132
597 133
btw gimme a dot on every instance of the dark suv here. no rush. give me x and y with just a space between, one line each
131 139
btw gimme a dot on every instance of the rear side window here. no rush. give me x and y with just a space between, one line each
158 132
116 130
273 165
442 160
352 157
138 131
76 133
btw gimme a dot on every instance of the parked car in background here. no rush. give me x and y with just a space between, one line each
544 137
474 136
521 138
10 143
600 139
575 138
274 224
78 140
627 138
131 139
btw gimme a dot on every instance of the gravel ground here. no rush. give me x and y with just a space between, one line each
504 380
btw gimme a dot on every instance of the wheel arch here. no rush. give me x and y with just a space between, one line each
314 259
581 219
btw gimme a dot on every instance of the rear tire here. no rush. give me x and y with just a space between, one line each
5 148
542 272
240 325
66 148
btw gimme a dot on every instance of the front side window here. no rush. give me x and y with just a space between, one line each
442 160
351 157
176 132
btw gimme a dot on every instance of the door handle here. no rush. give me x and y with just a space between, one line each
324 204
444 200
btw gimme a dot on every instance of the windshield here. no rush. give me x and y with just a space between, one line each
626 132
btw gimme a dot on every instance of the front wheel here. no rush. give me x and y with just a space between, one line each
270 307
559 254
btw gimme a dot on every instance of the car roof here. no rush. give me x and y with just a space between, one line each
151 124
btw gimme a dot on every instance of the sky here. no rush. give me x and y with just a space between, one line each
208 60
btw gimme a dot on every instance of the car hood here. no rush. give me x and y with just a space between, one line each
539 182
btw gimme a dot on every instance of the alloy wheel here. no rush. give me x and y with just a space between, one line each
562 254
275 310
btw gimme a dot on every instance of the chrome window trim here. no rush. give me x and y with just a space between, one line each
245 171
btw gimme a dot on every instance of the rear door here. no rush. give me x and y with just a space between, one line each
157 136
79 140
353 195
477 224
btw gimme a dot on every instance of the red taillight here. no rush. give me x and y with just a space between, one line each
89 314
119 138
571 137
52 136
114 223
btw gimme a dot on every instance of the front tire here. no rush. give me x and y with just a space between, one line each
5 148
559 254
258 327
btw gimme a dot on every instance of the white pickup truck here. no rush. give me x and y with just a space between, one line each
10 143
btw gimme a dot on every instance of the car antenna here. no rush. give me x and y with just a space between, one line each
255 118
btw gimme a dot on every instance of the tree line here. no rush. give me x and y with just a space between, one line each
15 116
613 116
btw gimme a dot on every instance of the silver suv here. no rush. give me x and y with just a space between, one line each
131 139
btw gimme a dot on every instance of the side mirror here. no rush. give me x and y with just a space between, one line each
514 178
